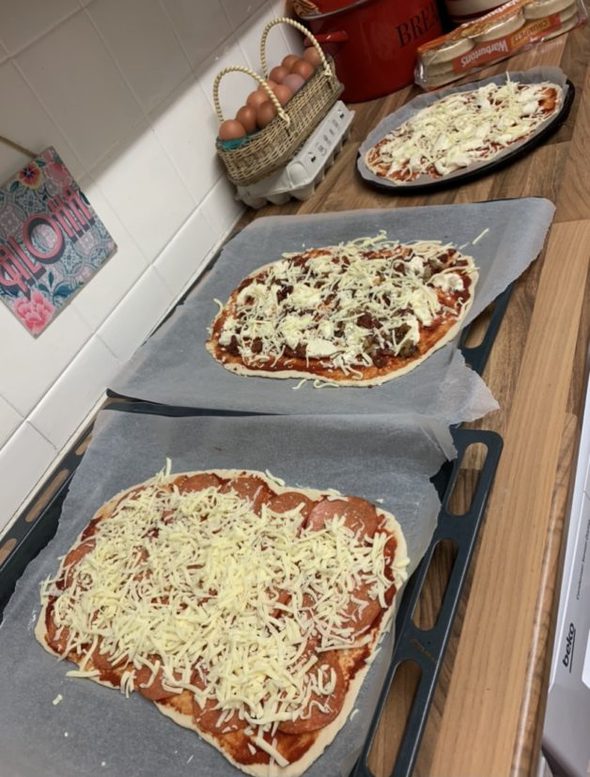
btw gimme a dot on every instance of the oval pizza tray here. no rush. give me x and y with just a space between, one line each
424 185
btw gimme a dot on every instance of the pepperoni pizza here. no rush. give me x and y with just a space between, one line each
356 314
245 610
463 129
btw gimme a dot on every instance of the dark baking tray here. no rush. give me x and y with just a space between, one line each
426 647
36 526
491 167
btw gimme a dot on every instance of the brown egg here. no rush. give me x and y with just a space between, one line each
255 99
294 82
278 73
265 114
312 55
289 61
283 93
231 129
247 118
303 69
261 90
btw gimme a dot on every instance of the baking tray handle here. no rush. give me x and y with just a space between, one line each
476 356
426 647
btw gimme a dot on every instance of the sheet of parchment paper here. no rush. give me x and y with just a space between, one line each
174 368
95 731
535 75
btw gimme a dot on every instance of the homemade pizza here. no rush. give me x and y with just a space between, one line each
245 610
463 129
356 314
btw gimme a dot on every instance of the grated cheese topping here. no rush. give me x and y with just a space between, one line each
348 307
461 129
193 584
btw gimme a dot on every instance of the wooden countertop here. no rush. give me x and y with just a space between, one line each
487 714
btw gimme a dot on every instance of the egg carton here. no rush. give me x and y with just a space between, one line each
300 176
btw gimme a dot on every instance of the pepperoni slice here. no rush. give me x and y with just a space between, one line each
75 556
316 716
389 551
308 602
310 648
129 496
92 527
290 500
279 597
168 516
389 594
359 515
90 530
56 642
140 555
110 672
389 556
359 617
155 690
208 717
199 482
103 662
251 488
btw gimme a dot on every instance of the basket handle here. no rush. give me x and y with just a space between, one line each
241 69
298 26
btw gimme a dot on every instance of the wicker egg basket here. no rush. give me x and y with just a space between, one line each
270 148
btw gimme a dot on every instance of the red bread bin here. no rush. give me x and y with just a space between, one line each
373 42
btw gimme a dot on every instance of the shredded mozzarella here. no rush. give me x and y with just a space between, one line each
346 308
461 129
225 602
273 752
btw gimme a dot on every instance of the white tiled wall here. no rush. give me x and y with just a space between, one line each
122 89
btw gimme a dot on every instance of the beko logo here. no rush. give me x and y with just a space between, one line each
569 647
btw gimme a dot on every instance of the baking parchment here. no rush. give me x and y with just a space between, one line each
536 74
174 368
95 731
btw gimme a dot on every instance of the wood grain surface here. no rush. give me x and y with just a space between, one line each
487 712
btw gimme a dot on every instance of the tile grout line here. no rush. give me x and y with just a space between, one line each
40 36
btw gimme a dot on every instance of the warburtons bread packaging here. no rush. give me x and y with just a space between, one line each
507 30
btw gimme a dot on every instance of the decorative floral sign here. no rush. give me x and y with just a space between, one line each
51 241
